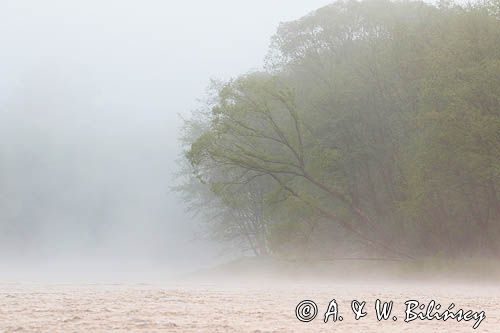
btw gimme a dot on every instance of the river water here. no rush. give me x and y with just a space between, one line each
225 307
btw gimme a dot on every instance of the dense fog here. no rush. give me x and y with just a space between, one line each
90 98
249 166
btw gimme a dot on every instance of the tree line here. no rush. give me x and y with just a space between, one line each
373 129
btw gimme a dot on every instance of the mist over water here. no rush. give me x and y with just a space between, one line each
357 161
90 97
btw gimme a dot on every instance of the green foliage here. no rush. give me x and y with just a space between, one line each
376 123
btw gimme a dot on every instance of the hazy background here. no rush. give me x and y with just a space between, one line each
90 97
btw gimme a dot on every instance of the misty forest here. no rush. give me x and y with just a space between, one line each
373 131
250 166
